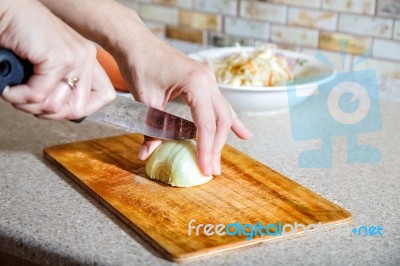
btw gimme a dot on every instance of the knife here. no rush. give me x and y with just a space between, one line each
122 112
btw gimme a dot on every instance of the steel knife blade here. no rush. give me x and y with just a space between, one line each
130 114
122 112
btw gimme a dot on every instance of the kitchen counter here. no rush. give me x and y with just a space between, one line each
47 218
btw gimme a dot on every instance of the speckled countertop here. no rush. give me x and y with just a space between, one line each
46 218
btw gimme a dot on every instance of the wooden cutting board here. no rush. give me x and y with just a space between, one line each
247 192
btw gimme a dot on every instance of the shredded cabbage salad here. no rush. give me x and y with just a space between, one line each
260 67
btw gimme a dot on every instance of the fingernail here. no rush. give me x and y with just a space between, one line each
217 170
142 153
208 170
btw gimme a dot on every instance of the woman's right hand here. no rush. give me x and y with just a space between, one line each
57 53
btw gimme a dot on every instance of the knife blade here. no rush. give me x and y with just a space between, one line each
127 113
122 112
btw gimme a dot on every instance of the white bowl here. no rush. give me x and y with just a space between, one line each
256 99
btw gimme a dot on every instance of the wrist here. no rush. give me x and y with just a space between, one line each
117 27
105 22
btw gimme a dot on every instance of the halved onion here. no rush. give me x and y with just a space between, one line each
174 163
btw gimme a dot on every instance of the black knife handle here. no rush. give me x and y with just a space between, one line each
15 70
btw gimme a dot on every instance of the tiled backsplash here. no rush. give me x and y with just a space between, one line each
368 26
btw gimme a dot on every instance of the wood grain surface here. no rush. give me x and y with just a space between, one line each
246 192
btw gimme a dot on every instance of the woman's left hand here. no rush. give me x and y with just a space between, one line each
157 73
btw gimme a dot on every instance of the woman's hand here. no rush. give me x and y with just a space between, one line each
57 53
157 73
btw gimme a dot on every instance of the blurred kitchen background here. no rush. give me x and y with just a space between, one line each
368 26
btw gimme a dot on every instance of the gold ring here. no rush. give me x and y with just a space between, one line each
71 82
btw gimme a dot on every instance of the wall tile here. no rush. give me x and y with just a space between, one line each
293 35
333 57
159 13
284 46
184 34
384 69
305 3
247 28
386 49
369 26
228 7
222 40
178 3
396 31
355 45
388 8
306 25
200 20
312 18
354 6
263 11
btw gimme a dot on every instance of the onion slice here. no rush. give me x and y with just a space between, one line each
174 163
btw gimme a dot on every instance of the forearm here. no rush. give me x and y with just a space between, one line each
105 22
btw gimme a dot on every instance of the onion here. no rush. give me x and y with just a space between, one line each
174 163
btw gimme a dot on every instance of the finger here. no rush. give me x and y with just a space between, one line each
72 107
224 121
81 90
38 87
203 117
148 146
102 91
53 104
62 114
100 94
23 94
238 128
59 113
